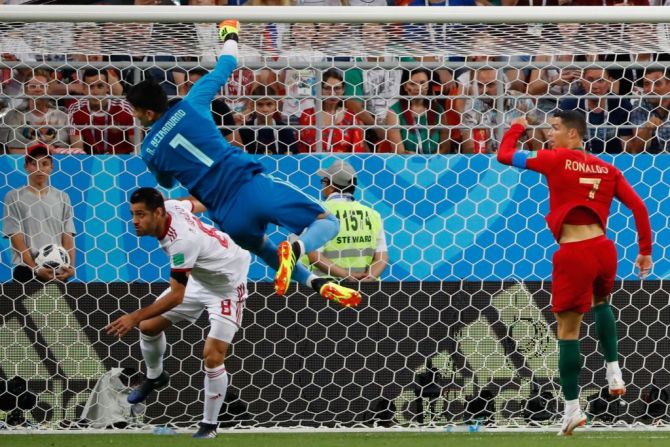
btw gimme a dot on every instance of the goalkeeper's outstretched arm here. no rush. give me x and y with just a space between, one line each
204 91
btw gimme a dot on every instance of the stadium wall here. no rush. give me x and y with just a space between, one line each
447 218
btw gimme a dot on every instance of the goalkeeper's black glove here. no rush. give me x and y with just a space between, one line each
229 29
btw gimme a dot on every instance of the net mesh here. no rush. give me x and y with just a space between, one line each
477 348
337 39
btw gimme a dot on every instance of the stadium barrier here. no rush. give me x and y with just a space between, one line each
449 218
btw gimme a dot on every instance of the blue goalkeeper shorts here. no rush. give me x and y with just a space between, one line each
265 200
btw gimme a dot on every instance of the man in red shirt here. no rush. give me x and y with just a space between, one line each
581 189
108 119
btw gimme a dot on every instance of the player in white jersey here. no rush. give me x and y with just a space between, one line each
207 271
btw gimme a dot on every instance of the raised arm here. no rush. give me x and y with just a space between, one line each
541 161
204 91
510 141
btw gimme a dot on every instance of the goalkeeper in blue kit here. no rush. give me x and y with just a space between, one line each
184 144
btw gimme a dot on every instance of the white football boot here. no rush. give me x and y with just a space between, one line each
617 387
572 420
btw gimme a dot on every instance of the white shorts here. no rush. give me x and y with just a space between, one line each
224 307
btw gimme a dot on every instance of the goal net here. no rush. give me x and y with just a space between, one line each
458 331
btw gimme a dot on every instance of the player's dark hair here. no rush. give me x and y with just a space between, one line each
148 95
573 119
150 197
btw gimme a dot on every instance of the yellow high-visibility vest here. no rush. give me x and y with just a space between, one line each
354 246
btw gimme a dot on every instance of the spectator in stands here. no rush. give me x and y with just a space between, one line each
548 81
239 87
418 118
479 113
651 114
514 78
69 80
37 119
36 215
268 133
337 124
236 90
604 114
100 124
371 93
358 252
223 116
267 77
483 113
12 80
300 83
131 33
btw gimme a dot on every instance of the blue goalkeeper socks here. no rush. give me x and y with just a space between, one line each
319 232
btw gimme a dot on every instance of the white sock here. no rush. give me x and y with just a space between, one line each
216 384
571 406
230 48
613 369
153 348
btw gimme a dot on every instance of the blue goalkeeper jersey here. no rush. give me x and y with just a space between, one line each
185 145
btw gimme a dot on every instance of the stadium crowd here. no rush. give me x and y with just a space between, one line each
80 108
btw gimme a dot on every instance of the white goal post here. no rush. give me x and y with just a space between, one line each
458 331
638 36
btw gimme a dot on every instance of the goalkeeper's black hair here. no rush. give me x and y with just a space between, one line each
573 119
148 95
150 197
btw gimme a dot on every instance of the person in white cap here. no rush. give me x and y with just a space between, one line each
359 251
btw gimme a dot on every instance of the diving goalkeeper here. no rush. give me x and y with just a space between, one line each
184 144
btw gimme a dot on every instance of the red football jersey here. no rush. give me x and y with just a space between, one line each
577 179
102 136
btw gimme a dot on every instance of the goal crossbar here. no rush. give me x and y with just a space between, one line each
335 14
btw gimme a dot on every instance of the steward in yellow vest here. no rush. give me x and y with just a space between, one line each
359 251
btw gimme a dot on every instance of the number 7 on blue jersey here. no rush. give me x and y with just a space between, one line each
179 140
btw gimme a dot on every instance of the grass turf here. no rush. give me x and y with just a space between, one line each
581 439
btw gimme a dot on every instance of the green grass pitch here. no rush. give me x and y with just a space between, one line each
581 439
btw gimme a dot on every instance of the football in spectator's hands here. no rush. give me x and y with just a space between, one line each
52 256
